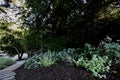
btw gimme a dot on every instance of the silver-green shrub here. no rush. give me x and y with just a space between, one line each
97 65
66 56
45 59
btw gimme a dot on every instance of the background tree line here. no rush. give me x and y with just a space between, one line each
58 24
77 21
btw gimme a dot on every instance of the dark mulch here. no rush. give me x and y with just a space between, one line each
63 72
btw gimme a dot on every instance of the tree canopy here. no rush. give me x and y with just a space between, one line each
51 24
79 21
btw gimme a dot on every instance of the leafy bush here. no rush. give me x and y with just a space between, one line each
31 63
67 55
46 60
4 62
88 51
105 48
97 65
49 58
110 49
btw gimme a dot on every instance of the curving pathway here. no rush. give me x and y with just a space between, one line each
8 73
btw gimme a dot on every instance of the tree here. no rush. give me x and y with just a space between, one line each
11 30
11 41
75 20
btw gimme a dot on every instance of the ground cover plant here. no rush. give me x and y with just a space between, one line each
4 62
45 60
110 49
97 65
97 61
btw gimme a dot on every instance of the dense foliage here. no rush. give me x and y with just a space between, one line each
97 60
97 65
76 21
43 60
59 24
11 40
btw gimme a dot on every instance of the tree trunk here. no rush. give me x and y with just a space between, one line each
19 54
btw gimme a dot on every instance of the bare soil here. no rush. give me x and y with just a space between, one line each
61 71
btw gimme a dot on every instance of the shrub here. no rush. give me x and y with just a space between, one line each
105 48
88 51
31 63
49 58
97 65
67 55
4 62
110 49
46 60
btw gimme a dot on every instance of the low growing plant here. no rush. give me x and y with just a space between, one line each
44 60
31 62
67 55
4 62
97 65
110 49
88 51
47 59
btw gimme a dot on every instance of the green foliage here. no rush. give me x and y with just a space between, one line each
110 49
11 38
97 60
55 43
105 48
88 51
67 55
97 65
13 46
31 63
48 58
76 13
32 40
4 62
9 50
44 60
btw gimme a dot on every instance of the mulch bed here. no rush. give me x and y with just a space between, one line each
62 71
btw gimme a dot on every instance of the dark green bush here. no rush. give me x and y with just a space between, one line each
32 41
105 48
110 49
88 51
55 43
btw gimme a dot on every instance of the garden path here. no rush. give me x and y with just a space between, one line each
8 73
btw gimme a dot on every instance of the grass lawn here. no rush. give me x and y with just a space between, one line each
4 62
